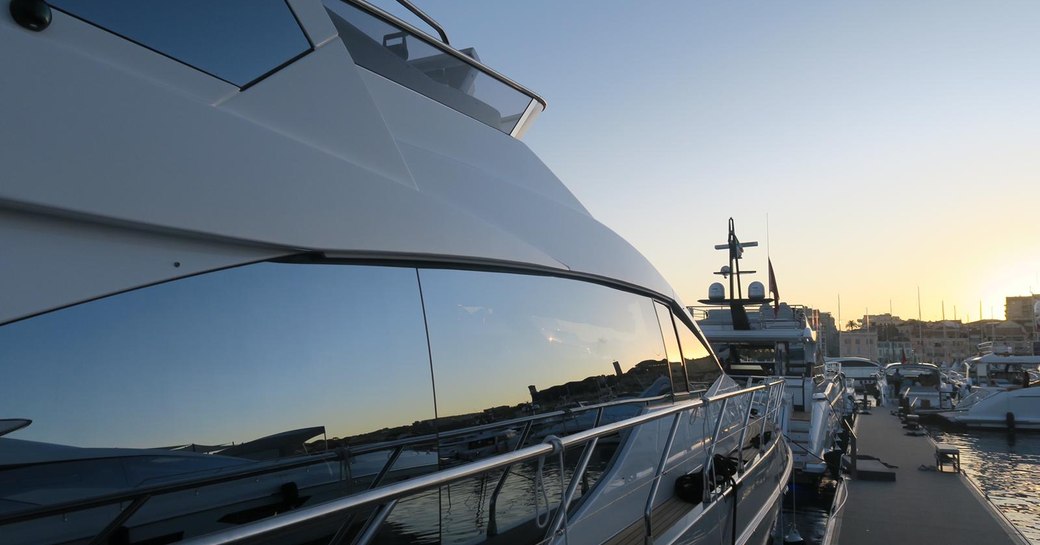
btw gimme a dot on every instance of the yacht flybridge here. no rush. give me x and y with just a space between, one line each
282 271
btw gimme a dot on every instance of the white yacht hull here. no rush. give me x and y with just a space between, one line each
1018 407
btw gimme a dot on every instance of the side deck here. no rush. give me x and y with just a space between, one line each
919 506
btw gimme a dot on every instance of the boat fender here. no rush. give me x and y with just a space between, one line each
833 460
34 15
690 487
725 468
757 441
1010 419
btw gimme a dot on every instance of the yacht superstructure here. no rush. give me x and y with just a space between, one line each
283 271
757 340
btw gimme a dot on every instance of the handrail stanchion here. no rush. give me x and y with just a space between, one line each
341 532
368 533
766 418
493 503
710 462
572 487
649 511
743 433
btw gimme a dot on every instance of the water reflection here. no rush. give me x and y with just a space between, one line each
1007 469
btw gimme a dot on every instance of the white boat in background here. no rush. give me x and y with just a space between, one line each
759 341
220 221
867 376
1004 393
921 387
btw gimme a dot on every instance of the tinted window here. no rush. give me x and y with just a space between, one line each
533 343
248 368
701 367
521 349
235 40
678 371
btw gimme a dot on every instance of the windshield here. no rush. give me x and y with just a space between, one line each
432 69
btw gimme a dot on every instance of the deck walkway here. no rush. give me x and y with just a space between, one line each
920 506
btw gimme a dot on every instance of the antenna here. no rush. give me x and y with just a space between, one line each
767 236
733 272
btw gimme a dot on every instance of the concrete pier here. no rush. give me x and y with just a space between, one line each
918 506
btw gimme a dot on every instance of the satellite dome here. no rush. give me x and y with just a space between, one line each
756 291
716 292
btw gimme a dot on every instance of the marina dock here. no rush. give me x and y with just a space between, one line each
920 505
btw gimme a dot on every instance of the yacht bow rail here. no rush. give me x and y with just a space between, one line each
767 395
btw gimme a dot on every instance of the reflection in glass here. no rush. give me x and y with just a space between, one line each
678 371
293 384
313 375
701 366
238 41
518 358
409 60
505 346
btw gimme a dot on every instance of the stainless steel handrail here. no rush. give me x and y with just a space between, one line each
386 496
422 35
426 19
394 491
140 495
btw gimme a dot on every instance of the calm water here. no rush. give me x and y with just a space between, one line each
807 507
1007 468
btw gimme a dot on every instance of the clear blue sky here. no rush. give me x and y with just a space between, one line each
892 144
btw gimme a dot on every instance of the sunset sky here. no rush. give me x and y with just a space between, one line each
892 144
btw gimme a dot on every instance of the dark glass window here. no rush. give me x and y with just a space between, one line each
671 343
534 343
701 367
237 41
517 358
311 368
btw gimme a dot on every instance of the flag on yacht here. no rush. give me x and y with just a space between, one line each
772 289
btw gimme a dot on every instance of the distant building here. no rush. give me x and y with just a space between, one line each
893 351
1020 309
875 320
861 343
829 334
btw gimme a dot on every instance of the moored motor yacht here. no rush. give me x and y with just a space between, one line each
756 340
222 221
920 387
866 376
1004 393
